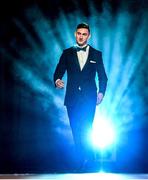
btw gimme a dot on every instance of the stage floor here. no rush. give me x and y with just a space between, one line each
80 176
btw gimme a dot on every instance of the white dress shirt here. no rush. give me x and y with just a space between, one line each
82 57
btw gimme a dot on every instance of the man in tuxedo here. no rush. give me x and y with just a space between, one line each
82 63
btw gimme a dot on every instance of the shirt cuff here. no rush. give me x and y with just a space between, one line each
57 81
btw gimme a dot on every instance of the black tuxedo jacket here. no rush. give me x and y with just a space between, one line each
81 84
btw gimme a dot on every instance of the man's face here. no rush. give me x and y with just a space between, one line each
82 35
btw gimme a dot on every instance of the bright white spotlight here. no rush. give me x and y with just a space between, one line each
103 134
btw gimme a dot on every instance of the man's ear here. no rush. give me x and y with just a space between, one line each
89 36
75 33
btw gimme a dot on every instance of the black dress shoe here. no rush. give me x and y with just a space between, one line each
81 168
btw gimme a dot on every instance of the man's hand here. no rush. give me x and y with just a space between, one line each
99 98
59 83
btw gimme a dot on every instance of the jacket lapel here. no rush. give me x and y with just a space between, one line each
76 58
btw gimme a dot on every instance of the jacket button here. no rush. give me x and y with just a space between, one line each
79 88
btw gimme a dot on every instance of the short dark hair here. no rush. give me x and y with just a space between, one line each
83 25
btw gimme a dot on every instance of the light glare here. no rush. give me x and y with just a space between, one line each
103 134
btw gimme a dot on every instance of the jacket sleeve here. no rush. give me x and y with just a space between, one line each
60 68
102 77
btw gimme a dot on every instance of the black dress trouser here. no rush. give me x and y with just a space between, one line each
81 116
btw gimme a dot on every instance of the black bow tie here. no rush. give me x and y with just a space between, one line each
81 49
